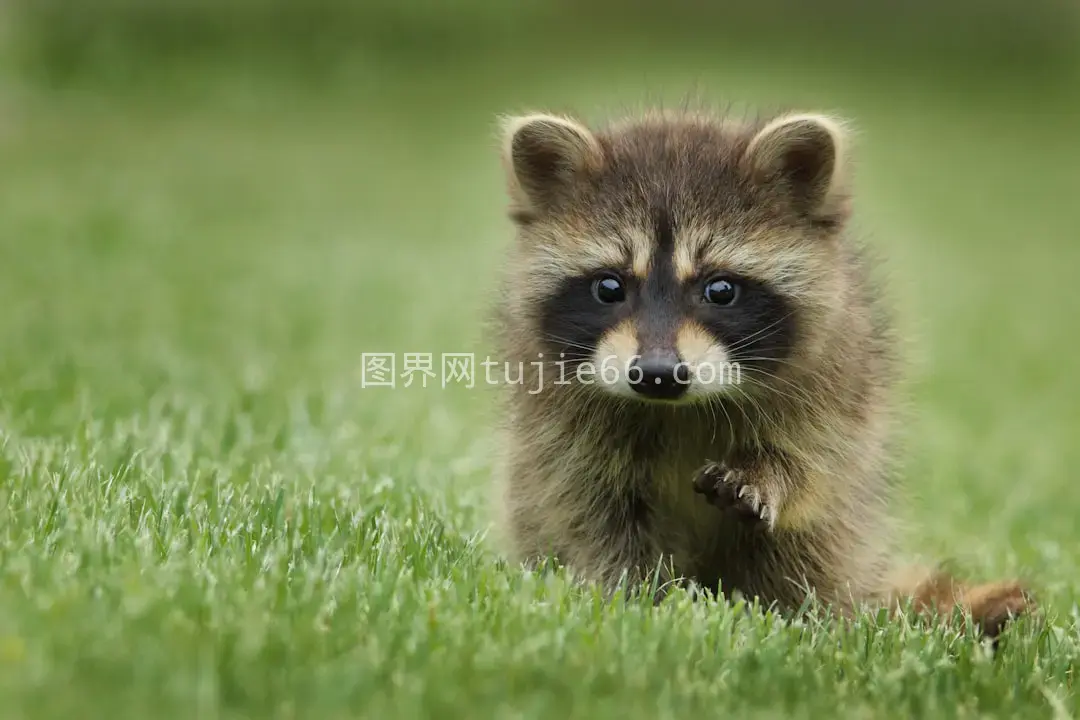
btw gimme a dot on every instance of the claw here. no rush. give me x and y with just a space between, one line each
721 486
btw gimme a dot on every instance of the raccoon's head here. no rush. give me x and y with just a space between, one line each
677 257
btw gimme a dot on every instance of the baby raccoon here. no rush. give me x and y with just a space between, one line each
707 370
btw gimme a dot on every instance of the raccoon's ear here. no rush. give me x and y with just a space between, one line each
803 155
544 155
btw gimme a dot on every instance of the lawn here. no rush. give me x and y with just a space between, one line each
204 514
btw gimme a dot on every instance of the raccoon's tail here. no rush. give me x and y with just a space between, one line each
937 592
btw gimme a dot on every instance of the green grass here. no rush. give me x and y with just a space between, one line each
203 514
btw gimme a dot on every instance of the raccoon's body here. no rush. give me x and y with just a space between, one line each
734 430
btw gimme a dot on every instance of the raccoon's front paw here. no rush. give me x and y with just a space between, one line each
727 489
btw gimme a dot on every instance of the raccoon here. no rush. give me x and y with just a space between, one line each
706 371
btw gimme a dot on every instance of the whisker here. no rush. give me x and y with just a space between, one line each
569 343
803 394
753 337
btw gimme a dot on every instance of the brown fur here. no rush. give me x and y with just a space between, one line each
612 486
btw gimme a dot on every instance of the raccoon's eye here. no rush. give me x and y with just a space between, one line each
608 289
721 291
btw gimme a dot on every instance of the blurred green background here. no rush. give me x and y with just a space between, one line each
210 210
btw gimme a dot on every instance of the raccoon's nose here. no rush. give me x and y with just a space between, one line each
659 375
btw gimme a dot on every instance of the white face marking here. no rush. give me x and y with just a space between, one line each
640 246
711 371
612 358
782 258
